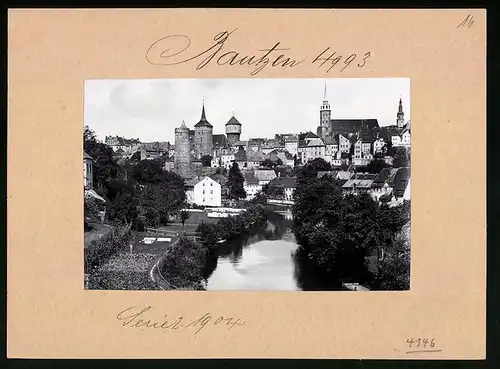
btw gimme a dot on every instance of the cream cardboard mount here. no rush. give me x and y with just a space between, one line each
53 52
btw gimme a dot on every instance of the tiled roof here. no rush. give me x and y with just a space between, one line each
307 135
353 125
343 174
265 174
400 180
233 121
256 141
240 143
384 175
219 178
291 138
240 155
219 140
284 182
255 156
330 173
329 140
358 183
250 178
315 142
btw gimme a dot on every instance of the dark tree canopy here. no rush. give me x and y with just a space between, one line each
105 166
206 161
235 183
337 232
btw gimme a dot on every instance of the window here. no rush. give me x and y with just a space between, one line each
203 192
203 199
211 192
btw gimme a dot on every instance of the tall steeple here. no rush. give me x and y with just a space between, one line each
325 114
203 116
400 120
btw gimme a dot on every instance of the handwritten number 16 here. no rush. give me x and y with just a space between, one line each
468 21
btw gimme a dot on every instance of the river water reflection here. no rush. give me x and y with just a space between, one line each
264 259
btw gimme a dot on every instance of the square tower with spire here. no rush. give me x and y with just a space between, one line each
325 117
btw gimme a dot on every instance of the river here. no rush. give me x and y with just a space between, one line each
265 259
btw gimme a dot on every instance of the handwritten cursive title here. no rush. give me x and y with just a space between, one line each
176 49
140 318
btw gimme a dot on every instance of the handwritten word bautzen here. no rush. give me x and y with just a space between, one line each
173 50
140 318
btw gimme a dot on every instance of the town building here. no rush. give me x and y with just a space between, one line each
286 158
251 184
203 141
169 164
207 192
255 144
284 186
292 144
381 184
310 149
129 146
265 176
88 171
359 183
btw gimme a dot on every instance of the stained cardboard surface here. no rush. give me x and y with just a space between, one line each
50 55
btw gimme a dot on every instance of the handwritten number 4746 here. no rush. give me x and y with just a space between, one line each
467 22
420 343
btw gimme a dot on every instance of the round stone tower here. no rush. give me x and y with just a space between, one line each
203 137
233 130
182 156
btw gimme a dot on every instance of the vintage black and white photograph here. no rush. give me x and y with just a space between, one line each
247 184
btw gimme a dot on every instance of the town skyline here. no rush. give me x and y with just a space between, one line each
150 110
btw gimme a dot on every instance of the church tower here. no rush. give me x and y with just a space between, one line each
203 140
400 121
325 116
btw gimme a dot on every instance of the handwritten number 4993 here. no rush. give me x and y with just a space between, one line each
467 22
420 343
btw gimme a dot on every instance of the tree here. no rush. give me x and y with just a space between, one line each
123 201
136 156
393 270
375 166
206 161
105 166
235 183
91 211
183 216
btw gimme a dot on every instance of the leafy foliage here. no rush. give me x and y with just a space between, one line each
206 161
235 183
337 232
105 166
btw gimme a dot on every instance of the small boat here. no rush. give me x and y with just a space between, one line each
221 241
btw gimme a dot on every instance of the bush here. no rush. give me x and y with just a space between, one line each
183 264
99 251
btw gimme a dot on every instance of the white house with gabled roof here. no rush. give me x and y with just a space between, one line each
207 192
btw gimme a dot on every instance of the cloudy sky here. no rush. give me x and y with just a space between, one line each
151 109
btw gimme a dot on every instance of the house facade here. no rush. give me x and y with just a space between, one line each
207 192
88 171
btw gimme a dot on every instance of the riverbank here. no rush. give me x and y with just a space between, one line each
183 265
